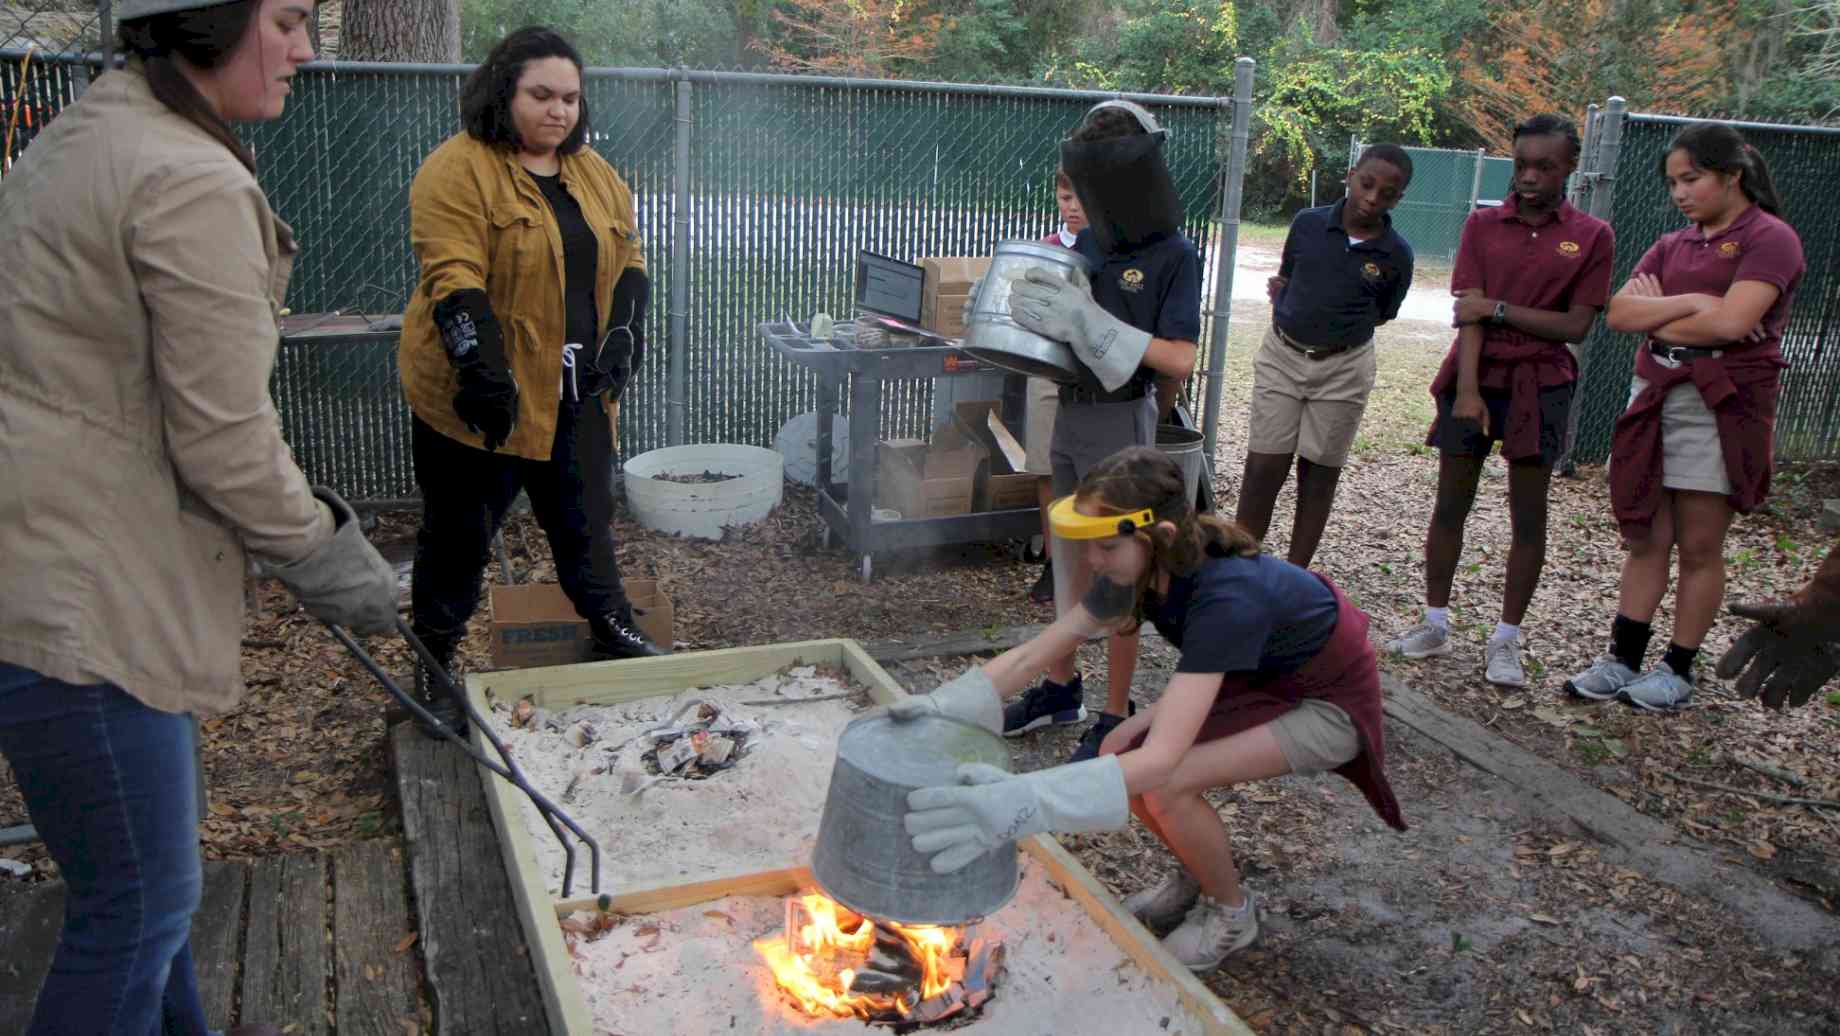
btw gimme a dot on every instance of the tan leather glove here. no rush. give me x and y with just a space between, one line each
345 581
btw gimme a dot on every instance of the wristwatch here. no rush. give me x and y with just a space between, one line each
1500 316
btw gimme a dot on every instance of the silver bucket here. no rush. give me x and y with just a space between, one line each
863 858
1183 445
994 336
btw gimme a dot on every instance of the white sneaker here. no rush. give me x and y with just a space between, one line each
1660 689
1603 680
1421 641
1162 906
1505 668
1213 932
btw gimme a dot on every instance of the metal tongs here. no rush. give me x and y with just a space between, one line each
509 769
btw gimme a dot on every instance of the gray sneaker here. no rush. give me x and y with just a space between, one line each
1660 689
1421 641
1163 906
1505 663
1213 932
1603 680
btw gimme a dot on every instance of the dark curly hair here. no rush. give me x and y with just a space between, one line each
485 99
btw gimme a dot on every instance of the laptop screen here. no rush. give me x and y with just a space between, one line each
889 287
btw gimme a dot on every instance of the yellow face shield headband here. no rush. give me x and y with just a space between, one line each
1070 524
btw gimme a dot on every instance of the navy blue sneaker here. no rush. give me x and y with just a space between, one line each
1047 704
1095 735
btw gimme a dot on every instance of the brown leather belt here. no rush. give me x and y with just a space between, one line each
1314 352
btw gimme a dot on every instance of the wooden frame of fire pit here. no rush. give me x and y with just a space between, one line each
599 683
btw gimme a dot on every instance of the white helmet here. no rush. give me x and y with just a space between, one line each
128 10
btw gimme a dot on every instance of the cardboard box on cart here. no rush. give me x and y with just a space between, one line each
948 283
928 480
1001 485
534 624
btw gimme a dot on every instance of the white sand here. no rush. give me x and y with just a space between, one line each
760 814
695 970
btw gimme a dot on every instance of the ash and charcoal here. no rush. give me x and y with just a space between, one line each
699 741
700 478
891 973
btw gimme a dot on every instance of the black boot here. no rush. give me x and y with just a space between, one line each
616 635
1043 590
431 693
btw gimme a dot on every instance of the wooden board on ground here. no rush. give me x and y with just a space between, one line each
480 978
374 967
284 954
31 916
215 931
600 683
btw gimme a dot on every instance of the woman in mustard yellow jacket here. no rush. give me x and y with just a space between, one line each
522 333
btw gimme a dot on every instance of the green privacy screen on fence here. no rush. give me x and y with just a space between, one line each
1803 161
788 178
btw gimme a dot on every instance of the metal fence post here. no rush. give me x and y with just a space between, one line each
1230 200
1606 145
105 32
1586 155
676 387
1475 182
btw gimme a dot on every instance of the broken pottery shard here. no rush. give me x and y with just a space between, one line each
941 1007
673 757
581 735
715 751
983 969
881 983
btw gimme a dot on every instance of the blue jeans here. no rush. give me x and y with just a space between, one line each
112 788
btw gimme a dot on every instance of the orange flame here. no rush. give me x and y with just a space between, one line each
815 960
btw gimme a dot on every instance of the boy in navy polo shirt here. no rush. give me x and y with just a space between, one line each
1530 277
1344 272
1139 320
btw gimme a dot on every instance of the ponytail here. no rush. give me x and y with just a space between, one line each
202 37
1721 148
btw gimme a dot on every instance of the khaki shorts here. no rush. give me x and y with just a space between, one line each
1044 402
1087 433
1316 736
1691 457
1311 408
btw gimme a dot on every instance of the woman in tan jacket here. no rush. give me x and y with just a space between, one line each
139 458
522 333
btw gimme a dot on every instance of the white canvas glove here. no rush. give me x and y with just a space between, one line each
970 697
1052 306
991 808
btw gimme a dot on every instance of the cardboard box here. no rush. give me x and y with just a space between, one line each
1000 485
931 481
948 283
534 624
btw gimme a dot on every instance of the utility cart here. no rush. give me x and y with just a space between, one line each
847 509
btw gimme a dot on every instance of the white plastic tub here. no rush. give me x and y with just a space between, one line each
703 509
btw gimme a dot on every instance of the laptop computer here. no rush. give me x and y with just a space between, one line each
888 294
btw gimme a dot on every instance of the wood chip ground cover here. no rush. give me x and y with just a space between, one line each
303 763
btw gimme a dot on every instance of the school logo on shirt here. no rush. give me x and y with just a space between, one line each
1569 249
1729 249
1132 279
1370 271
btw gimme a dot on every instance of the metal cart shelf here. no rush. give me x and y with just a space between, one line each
846 509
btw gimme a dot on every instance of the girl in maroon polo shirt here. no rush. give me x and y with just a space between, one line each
1696 443
1276 676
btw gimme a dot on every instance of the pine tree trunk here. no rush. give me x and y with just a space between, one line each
400 30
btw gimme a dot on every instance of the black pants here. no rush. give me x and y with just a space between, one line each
466 491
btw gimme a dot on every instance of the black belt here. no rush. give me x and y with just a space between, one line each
1683 353
1080 392
1315 352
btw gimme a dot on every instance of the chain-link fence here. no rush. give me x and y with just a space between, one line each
36 30
787 178
1446 187
1624 179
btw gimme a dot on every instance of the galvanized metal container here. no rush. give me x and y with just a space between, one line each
863 858
993 335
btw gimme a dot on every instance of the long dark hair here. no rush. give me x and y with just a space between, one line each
205 38
1722 149
1144 476
485 99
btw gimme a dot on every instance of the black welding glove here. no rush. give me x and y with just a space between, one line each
488 397
1794 648
623 348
